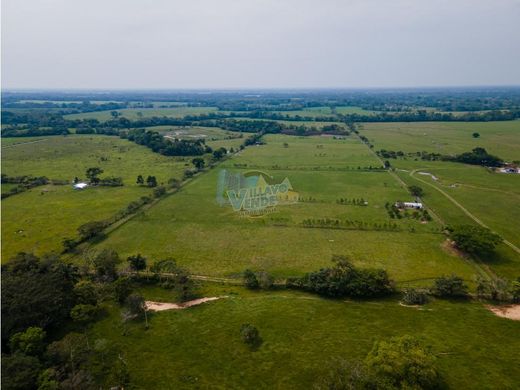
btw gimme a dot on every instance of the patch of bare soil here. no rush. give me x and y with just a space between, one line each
449 246
160 306
510 311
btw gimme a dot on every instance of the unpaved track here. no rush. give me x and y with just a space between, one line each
161 306
464 210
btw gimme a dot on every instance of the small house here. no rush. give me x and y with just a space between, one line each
80 186
409 205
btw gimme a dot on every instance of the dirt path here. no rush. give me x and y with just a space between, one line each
23 143
461 207
161 306
511 312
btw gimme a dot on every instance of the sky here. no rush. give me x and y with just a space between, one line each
204 44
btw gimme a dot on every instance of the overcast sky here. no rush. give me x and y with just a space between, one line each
259 44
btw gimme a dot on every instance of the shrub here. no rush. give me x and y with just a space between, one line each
265 280
250 279
137 262
344 280
84 313
30 342
250 335
450 287
412 296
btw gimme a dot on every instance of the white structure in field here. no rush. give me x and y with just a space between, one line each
409 205
80 186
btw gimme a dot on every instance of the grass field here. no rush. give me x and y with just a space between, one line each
213 240
499 138
133 113
317 112
39 219
492 198
200 347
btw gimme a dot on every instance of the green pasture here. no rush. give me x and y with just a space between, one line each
214 240
499 138
317 152
316 112
200 347
65 157
39 219
133 113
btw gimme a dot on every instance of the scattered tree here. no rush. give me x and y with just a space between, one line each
137 262
250 335
450 287
416 191
250 279
151 181
93 173
405 363
475 135
474 240
30 342
140 180
198 162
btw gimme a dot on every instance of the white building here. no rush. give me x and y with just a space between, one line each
409 205
80 186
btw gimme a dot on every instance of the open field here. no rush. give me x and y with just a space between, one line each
201 346
213 240
133 113
499 138
317 112
213 136
59 157
39 219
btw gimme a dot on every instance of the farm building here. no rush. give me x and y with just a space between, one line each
80 186
408 205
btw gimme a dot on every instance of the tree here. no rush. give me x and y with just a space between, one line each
137 262
159 191
416 191
85 293
515 290
198 162
346 375
219 153
19 372
91 229
137 306
140 180
404 363
474 240
122 289
37 293
69 244
151 181
250 279
93 173
265 280
250 335
30 342
84 313
450 287
475 135
412 296
105 264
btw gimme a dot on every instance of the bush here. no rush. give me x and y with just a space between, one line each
412 296
404 363
450 287
265 280
159 191
250 279
137 262
250 335
416 191
30 342
84 313
344 280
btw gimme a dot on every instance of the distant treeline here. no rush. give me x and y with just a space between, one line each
398 100
165 146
